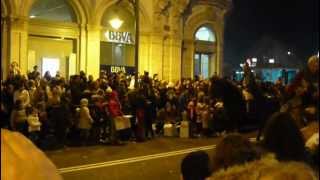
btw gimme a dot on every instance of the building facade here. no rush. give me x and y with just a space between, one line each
178 38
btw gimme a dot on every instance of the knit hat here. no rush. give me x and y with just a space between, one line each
84 102
109 90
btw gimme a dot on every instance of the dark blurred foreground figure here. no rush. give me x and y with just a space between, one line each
303 93
233 102
283 137
233 150
22 160
196 166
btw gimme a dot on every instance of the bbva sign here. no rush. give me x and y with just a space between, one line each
119 37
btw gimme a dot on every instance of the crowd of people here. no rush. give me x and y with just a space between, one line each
81 110
289 148
53 112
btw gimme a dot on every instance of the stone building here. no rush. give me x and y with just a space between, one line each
178 38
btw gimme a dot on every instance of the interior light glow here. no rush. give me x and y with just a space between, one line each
254 60
116 23
271 61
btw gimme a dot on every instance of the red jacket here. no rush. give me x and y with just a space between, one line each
114 107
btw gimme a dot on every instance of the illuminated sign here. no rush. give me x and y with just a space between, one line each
271 61
116 69
119 37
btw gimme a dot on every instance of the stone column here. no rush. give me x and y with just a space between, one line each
4 48
166 59
92 64
157 54
82 49
188 58
175 59
17 42
220 41
144 54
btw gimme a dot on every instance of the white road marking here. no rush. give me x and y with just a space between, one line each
134 159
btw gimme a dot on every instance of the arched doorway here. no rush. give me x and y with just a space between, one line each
204 55
117 40
52 37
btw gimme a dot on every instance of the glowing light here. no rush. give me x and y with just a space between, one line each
254 60
116 23
271 61
249 62
32 16
289 52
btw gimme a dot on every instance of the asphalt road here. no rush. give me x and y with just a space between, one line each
159 158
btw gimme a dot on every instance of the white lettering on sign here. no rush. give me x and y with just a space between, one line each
115 69
119 37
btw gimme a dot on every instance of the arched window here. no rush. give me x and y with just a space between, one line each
205 34
117 38
53 10
120 13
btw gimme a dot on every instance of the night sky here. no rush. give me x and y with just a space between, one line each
291 22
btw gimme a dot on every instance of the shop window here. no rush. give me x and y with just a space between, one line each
53 10
205 34
201 65
117 37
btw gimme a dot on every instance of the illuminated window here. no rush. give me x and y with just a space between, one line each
50 64
205 34
53 10
201 65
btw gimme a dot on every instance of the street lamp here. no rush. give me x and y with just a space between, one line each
135 4
116 23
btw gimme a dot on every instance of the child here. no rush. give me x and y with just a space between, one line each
200 106
85 121
205 116
34 125
192 117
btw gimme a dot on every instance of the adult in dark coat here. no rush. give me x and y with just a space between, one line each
232 99
76 89
150 113
63 121
140 106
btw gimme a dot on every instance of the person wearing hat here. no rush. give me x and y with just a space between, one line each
114 109
85 121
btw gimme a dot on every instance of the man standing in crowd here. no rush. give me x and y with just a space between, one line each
34 74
